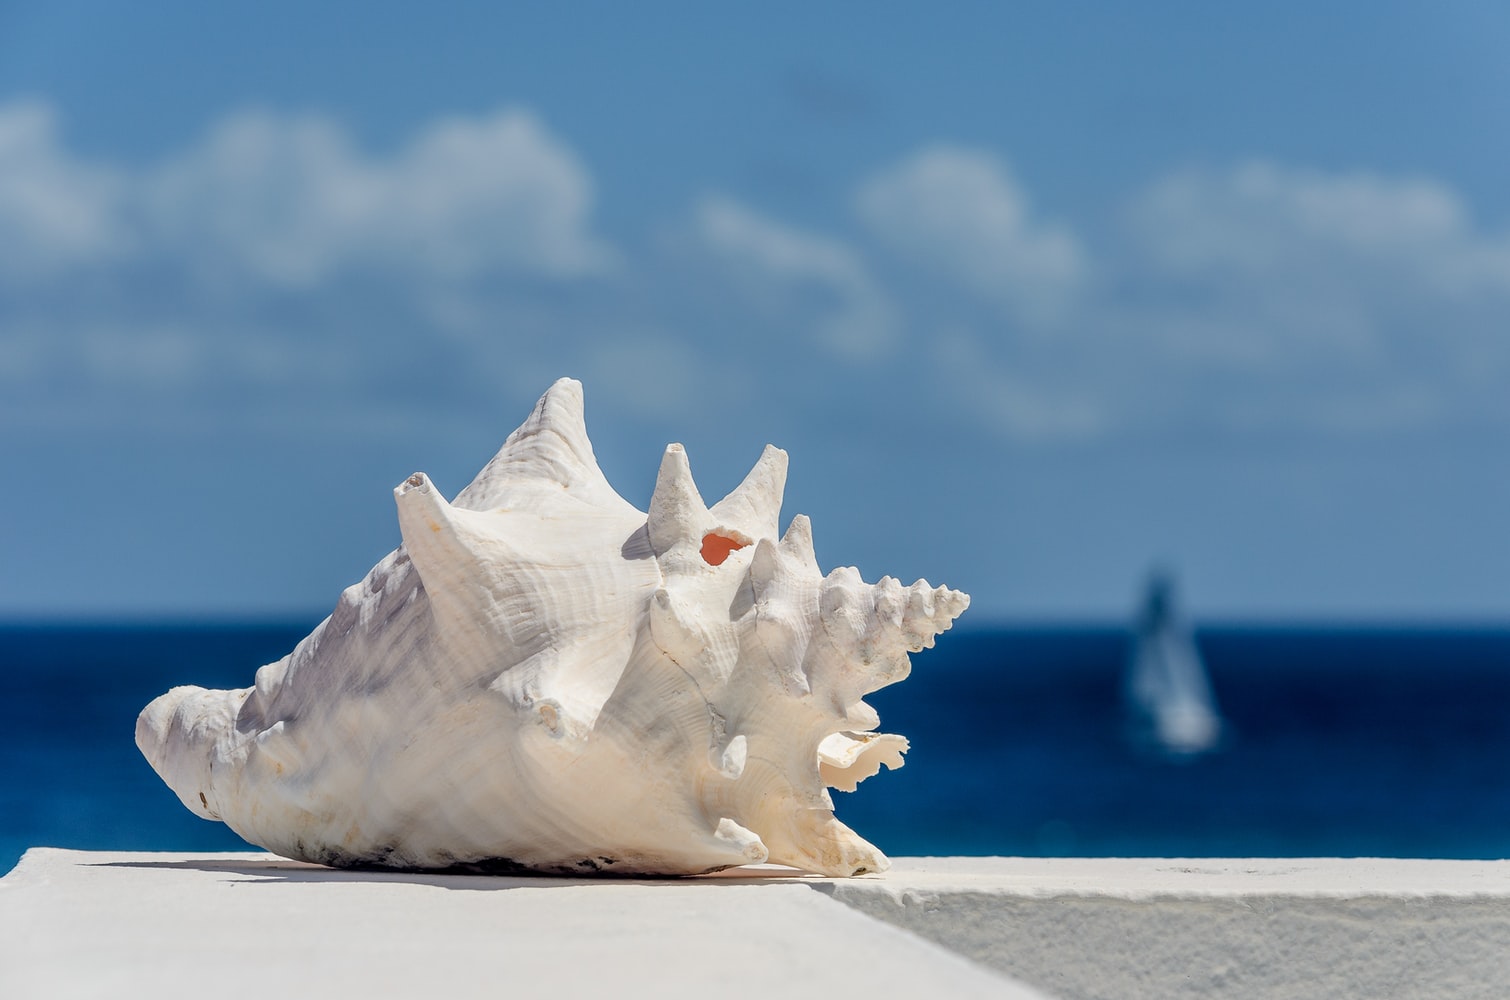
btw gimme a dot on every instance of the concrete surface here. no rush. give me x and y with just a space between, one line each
78 924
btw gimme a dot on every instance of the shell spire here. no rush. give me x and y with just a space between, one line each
551 446
930 610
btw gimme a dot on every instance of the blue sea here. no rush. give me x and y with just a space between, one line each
1340 741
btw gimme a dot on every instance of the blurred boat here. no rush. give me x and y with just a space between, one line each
1168 695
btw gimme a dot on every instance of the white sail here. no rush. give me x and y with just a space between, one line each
1166 688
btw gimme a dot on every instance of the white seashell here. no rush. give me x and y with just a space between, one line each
543 677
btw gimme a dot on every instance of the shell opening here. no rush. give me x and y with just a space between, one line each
716 547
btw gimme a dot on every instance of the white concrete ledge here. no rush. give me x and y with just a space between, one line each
233 925
77 924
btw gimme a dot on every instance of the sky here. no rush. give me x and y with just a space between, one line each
1037 296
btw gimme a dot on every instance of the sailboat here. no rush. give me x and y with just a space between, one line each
1168 696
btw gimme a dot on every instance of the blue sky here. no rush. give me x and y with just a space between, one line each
1036 296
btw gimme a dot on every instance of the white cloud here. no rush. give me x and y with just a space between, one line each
1261 218
501 192
269 198
55 212
289 200
274 266
1294 266
960 213
855 320
1345 302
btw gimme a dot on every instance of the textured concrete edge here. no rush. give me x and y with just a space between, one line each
1250 928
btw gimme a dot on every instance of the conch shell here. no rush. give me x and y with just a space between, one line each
542 677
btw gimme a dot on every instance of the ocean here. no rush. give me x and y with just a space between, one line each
1338 741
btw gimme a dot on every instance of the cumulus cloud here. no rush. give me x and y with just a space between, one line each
1342 301
292 200
780 264
289 200
1256 299
1264 219
55 212
275 268
960 213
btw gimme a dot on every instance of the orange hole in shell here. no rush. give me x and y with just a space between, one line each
716 548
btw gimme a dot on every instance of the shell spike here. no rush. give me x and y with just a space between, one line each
552 445
420 505
677 511
754 506
428 526
797 543
561 413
